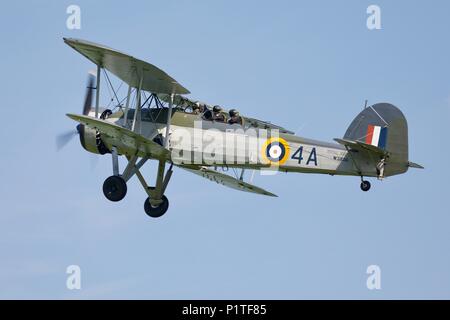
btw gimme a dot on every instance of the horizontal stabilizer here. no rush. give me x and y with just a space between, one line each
358 145
227 180
415 165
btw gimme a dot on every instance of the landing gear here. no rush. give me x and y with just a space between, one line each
115 188
156 211
365 185
157 203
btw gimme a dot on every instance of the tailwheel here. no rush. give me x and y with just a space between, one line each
156 211
365 185
115 188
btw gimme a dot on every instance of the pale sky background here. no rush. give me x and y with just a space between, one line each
306 65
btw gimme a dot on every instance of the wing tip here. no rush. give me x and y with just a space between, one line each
72 116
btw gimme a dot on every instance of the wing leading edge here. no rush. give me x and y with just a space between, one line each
129 140
128 68
227 180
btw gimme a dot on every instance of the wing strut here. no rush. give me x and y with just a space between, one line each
127 107
136 126
169 120
97 93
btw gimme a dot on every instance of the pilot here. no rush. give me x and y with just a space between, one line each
235 117
217 114
207 115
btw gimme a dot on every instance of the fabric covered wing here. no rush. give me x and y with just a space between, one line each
186 102
126 139
128 68
227 180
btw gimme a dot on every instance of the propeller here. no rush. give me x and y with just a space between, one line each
64 138
88 99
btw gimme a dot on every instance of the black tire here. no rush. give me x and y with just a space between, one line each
365 186
156 212
115 188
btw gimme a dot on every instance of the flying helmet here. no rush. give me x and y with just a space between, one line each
233 113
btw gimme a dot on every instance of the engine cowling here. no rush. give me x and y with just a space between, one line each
91 140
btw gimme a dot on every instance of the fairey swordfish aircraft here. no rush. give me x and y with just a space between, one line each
156 121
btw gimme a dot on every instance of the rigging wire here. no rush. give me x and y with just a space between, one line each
114 91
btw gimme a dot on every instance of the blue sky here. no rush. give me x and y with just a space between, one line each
306 65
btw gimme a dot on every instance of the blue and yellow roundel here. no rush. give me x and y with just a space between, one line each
275 151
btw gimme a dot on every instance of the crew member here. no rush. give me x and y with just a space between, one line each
217 114
235 117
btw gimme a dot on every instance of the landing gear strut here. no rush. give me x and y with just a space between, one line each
365 185
115 188
157 203
156 211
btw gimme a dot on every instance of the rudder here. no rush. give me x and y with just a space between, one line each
384 126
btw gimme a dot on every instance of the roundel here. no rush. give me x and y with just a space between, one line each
276 150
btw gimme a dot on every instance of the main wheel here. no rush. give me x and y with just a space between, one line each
365 185
115 188
156 212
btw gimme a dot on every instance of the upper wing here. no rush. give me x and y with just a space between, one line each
128 68
186 102
180 100
128 139
266 125
227 180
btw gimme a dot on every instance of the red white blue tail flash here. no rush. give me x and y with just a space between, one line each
376 136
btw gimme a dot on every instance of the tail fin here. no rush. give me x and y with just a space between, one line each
384 126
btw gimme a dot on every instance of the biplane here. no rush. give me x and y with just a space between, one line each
157 121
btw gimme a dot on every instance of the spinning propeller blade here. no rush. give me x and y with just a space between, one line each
63 139
89 94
